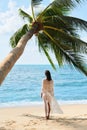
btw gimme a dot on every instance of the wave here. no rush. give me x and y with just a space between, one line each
36 103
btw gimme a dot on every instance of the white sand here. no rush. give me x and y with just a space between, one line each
32 118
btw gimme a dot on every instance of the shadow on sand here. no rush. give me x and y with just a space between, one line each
74 123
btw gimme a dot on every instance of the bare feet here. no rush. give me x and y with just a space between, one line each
47 117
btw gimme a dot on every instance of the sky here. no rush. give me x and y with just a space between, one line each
10 21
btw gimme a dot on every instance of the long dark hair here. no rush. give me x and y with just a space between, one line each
48 75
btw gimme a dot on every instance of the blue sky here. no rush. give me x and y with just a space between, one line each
10 21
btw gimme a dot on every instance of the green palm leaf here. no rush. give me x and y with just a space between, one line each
69 56
66 39
59 7
17 35
33 4
76 22
36 2
23 14
45 49
66 3
79 61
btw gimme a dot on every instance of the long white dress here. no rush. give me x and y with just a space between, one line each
48 95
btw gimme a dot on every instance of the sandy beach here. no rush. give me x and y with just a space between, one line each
32 118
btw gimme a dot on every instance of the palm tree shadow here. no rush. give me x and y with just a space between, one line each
73 122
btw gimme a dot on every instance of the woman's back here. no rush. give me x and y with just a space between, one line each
48 86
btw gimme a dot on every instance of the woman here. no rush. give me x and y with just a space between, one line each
47 93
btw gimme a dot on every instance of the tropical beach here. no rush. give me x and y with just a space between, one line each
32 118
21 106
61 50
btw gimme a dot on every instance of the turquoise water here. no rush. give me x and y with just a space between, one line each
22 86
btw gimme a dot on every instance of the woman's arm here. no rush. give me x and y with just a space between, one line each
42 88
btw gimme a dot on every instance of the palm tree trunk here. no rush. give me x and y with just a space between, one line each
13 56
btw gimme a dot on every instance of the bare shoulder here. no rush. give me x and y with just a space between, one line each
44 80
51 81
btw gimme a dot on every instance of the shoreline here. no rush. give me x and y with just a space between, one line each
38 103
74 117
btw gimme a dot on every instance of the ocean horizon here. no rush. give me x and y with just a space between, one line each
23 84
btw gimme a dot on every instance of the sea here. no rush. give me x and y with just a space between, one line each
22 86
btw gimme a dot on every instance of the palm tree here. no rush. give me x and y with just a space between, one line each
55 31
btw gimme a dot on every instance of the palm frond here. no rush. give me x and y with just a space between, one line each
45 50
58 22
47 43
51 12
59 7
17 35
58 55
67 3
76 22
71 24
49 58
66 39
70 56
33 4
79 61
36 2
25 15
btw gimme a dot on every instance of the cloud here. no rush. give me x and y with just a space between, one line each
10 21
12 4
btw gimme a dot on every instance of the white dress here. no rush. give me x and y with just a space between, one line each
48 96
